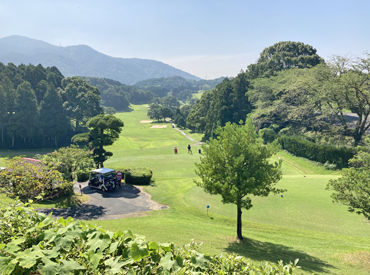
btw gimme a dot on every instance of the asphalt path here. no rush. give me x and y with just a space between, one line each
126 201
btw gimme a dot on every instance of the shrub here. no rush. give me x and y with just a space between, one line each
73 162
39 244
267 134
139 176
28 180
300 146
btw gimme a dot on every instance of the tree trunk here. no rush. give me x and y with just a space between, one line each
239 223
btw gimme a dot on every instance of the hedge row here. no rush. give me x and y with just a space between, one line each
32 243
140 176
324 153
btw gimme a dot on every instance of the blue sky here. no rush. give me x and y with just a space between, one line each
203 37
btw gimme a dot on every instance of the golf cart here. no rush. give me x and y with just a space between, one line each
103 179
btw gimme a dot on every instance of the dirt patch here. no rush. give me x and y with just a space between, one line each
159 126
146 121
361 258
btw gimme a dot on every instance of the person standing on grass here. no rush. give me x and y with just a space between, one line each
189 149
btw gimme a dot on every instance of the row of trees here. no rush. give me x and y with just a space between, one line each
39 107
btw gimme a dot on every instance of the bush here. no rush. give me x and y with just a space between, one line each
73 162
39 244
82 176
267 134
28 180
324 153
141 176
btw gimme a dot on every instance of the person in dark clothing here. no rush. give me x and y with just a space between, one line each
189 149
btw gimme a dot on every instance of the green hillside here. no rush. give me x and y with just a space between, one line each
303 224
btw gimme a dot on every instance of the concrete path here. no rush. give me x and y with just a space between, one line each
124 202
188 137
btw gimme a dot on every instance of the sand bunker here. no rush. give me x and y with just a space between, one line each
146 121
159 126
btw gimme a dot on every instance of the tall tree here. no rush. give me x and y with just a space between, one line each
340 87
237 165
104 130
53 120
81 100
24 118
283 56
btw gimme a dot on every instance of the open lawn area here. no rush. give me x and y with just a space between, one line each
303 223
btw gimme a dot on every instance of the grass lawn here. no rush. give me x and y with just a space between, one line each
303 224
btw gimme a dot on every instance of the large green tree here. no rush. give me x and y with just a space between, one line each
104 130
284 55
53 120
81 100
353 188
237 165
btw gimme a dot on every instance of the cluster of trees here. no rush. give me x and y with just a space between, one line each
117 96
180 88
227 102
327 101
292 90
39 107
163 108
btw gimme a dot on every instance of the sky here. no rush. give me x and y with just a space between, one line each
207 38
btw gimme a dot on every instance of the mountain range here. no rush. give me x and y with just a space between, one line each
82 60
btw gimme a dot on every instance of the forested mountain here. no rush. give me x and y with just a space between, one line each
41 108
82 60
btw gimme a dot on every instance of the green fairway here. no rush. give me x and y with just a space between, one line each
303 223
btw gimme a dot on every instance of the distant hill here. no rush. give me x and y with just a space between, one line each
81 60
119 96
179 87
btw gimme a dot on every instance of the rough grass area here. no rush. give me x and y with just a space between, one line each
303 224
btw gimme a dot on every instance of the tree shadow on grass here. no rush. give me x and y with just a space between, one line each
265 251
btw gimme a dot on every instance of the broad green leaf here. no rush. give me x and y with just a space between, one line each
167 247
95 258
7 265
153 246
70 266
113 247
166 262
138 250
115 265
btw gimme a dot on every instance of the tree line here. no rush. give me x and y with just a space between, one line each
39 107
290 90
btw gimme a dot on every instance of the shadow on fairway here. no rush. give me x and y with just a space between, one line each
126 191
265 251
82 212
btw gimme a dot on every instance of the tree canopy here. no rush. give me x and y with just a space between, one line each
104 130
37 106
284 55
237 165
353 188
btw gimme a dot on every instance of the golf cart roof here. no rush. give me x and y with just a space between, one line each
103 170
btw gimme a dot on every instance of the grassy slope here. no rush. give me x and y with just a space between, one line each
303 224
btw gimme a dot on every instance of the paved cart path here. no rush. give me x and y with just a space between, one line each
125 202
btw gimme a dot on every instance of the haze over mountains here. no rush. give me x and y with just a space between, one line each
82 60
